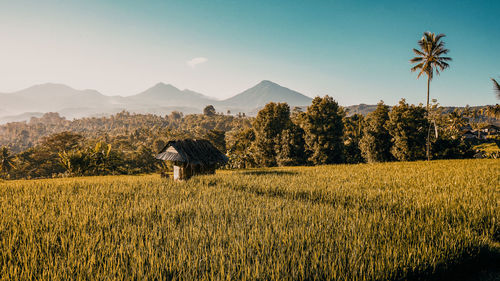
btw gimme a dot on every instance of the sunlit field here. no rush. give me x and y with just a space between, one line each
345 222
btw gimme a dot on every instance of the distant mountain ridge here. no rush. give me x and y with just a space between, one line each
160 99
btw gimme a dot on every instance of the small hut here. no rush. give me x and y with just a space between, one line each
192 157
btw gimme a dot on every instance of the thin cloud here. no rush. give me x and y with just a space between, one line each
196 61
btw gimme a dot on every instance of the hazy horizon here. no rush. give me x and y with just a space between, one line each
354 52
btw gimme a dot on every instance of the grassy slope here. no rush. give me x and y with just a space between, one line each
345 222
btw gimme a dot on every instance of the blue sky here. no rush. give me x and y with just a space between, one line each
355 51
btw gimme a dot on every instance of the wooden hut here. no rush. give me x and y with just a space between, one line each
192 157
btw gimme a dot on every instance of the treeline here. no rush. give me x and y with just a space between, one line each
124 143
323 133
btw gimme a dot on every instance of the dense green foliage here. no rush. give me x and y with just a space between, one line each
52 146
408 125
269 125
125 143
353 132
385 221
324 130
376 141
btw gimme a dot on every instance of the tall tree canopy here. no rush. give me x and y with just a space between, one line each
352 136
269 125
209 110
376 142
430 58
407 125
324 130
6 162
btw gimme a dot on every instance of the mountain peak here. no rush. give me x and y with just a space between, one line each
267 91
267 82
168 95
50 86
161 85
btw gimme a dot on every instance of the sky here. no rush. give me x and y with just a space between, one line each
354 51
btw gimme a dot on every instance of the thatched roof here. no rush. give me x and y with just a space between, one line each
192 151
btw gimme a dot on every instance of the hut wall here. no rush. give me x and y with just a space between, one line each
177 172
184 172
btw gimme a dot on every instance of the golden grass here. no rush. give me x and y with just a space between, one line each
344 222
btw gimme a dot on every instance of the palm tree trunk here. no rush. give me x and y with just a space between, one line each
428 91
428 145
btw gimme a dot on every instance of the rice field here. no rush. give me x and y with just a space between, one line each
391 221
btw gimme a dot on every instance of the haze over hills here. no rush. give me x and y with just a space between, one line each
159 99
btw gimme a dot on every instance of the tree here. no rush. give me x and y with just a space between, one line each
143 160
158 145
496 87
176 115
324 130
376 142
99 159
6 162
291 147
239 148
217 138
430 58
457 120
209 110
62 141
44 159
268 126
492 111
407 126
75 162
353 131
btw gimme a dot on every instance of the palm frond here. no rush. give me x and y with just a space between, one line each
429 55
442 65
416 59
496 86
417 67
445 59
418 52
439 36
441 52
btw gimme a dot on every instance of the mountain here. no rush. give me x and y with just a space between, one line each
51 97
167 95
265 92
160 99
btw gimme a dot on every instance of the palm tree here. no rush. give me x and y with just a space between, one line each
492 111
430 58
496 86
457 120
6 161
